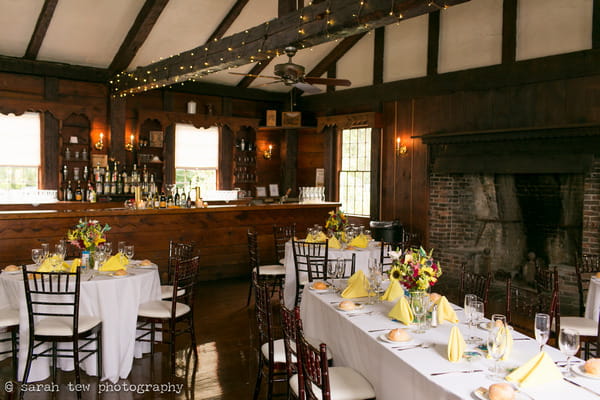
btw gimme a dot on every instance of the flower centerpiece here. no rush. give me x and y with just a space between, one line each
88 234
415 269
336 222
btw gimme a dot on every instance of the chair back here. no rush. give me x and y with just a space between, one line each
263 314
477 284
348 263
289 326
315 370
384 257
253 256
310 259
185 278
585 266
52 294
546 279
522 305
178 251
281 235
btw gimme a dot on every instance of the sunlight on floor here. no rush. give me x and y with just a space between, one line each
209 386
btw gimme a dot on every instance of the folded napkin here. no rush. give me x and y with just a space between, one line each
116 262
402 311
356 286
456 345
540 369
74 264
509 345
334 243
393 291
360 241
445 311
319 237
50 264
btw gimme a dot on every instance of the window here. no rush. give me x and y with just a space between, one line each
20 152
196 157
355 173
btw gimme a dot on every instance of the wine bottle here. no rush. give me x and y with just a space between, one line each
78 195
163 200
69 196
188 202
177 200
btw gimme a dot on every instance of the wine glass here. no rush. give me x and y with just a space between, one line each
45 249
99 258
340 270
60 250
568 342
107 248
419 302
469 300
496 346
331 272
121 246
37 255
368 287
377 278
542 329
476 314
129 251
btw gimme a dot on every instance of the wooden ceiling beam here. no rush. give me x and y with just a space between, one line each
307 27
53 69
258 68
41 27
334 55
137 35
231 16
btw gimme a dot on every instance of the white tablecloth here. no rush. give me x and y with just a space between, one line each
362 263
592 305
406 374
114 300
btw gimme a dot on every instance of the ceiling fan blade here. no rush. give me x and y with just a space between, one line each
326 81
255 76
307 88
267 83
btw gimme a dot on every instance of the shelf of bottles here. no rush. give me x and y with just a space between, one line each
244 172
74 158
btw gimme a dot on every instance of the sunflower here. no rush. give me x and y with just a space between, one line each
396 273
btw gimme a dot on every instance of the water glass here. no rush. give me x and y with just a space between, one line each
368 287
568 342
419 302
331 272
497 341
107 248
498 317
37 255
61 251
476 309
542 329
129 251
45 249
121 247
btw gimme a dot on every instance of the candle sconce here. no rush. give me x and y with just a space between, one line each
99 145
130 146
401 149
268 153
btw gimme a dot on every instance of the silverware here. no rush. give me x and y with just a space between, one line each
379 330
416 346
466 371
581 386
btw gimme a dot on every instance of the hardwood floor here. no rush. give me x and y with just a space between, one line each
227 358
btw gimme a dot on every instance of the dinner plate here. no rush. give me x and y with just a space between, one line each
482 394
122 276
12 272
579 370
319 290
358 307
486 325
140 266
383 337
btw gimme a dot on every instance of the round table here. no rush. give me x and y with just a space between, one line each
114 299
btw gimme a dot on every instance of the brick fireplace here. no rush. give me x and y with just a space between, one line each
498 199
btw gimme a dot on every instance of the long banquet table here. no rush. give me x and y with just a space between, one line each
362 262
406 374
115 300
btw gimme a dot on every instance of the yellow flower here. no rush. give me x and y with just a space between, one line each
395 273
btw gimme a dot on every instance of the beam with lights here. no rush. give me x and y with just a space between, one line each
307 27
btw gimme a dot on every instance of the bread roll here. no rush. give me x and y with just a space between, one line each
435 297
11 268
592 366
347 305
319 285
398 335
597 274
120 272
146 262
501 391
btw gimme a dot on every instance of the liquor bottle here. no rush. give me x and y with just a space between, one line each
86 173
177 200
134 175
78 195
188 201
120 185
69 195
67 154
107 182
170 203
113 187
163 200
156 199
84 154
126 185
124 181
99 185
65 173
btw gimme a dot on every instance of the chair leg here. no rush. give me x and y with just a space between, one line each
258 377
249 294
54 362
28 362
99 355
172 346
193 336
270 382
152 334
13 344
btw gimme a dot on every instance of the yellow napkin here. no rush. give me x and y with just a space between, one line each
48 265
456 345
74 264
393 291
334 243
360 241
356 286
116 262
319 237
402 311
509 345
445 311
540 369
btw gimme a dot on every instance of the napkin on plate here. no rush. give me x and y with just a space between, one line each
402 311
334 243
509 345
319 237
456 345
116 262
50 264
356 286
445 311
538 370
360 241
393 291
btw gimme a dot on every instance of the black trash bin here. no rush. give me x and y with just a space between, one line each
386 231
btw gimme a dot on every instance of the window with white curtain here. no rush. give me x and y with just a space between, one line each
355 174
20 151
196 157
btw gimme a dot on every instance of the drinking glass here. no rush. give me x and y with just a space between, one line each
568 342
420 303
469 299
499 317
121 246
107 248
340 270
331 272
99 258
476 313
129 251
496 346
377 282
542 329
45 249
37 255
61 251
368 288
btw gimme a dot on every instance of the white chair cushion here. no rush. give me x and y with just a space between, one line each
585 327
278 351
8 317
282 261
345 384
62 326
161 309
166 292
271 270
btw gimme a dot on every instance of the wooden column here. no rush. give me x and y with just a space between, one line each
509 31
117 129
50 148
433 43
289 154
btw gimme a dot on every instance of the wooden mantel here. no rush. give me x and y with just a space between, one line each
167 118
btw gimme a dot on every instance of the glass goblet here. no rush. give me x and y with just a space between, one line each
568 342
496 346
477 311
129 251
542 329
419 302
37 255
121 246
107 248
45 249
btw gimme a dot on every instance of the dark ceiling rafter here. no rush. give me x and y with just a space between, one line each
53 69
231 16
41 27
307 27
335 55
139 31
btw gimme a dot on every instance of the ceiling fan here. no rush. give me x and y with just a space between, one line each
291 74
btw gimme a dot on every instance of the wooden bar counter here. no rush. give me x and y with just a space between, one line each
219 231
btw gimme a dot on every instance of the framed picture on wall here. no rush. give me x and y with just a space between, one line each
261 191
274 190
156 138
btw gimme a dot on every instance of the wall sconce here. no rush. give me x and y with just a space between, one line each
100 143
129 146
400 148
268 153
